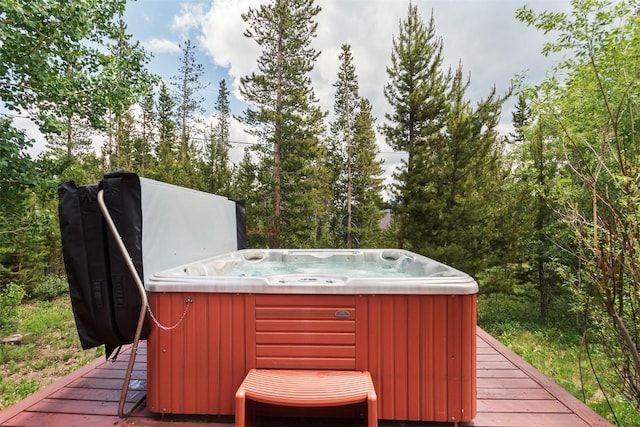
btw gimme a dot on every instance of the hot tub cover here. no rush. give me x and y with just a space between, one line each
161 226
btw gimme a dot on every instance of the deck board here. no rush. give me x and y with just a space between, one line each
510 393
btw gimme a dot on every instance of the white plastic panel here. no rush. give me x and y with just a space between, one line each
180 226
317 271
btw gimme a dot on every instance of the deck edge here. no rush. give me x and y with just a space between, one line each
24 404
574 404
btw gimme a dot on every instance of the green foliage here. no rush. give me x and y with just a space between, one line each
50 348
53 64
59 65
367 180
590 107
167 146
10 298
416 93
16 168
417 85
186 86
452 180
341 151
16 391
537 245
287 121
215 163
356 173
51 287
24 217
454 153
557 347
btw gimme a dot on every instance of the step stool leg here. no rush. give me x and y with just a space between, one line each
240 408
372 410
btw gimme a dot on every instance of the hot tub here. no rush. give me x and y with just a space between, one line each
408 320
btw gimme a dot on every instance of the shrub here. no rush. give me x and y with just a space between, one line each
51 287
10 297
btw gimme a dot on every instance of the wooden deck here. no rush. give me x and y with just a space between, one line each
510 393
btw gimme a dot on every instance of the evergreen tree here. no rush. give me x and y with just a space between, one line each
216 153
72 141
521 118
186 86
286 118
450 217
536 247
144 141
356 171
454 153
590 110
367 180
341 149
118 149
244 178
166 163
249 185
416 93
134 83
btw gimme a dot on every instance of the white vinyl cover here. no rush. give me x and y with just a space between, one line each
180 226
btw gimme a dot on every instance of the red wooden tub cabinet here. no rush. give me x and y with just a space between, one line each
408 320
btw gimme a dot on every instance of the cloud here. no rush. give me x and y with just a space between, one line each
492 45
223 28
367 26
222 38
161 46
30 128
190 17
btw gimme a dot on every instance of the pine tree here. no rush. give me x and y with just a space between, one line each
145 139
249 185
133 84
521 117
166 163
122 157
454 160
367 179
536 178
73 141
416 93
450 217
286 118
186 86
216 153
342 129
244 178
356 171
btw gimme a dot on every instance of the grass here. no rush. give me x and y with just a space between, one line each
50 349
554 347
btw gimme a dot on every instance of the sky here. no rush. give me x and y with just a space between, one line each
483 35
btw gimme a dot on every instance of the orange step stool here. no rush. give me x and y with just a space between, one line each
307 388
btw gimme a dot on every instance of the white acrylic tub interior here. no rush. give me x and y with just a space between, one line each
323 271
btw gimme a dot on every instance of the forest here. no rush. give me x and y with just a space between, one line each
550 211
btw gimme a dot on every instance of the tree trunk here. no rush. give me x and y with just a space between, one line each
277 173
349 180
